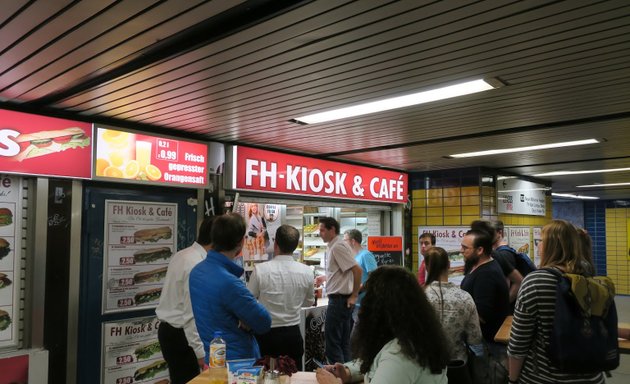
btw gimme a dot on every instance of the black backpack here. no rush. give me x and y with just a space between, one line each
583 338
523 263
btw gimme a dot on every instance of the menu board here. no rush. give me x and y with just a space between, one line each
150 159
537 239
387 250
518 238
140 238
10 257
131 352
449 238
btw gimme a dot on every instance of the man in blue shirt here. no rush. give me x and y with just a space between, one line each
220 300
366 261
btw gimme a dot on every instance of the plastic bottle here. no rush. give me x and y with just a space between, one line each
217 351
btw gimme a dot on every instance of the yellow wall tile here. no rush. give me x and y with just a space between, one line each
470 200
417 221
418 194
435 202
419 203
451 192
470 210
468 191
435 221
435 211
452 201
452 211
436 192
452 220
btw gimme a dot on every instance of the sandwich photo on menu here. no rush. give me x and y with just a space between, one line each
47 142
5 248
6 216
4 280
152 234
152 276
145 351
150 371
151 255
147 296
5 320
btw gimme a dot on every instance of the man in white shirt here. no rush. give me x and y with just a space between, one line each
343 280
283 286
180 342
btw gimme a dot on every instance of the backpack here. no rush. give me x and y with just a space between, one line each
583 338
523 263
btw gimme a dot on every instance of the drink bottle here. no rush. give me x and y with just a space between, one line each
217 351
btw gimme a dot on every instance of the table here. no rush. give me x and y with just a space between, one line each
503 335
221 374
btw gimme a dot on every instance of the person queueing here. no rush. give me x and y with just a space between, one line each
366 261
343 280
179 340
455 309
398 339
283 286
560 248
427 240
220 300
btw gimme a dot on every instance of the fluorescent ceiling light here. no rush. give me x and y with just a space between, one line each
571 196
401 101
562 173
524 149
602 185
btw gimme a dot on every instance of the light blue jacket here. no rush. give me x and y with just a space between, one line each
219 300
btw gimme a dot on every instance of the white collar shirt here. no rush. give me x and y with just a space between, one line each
283 286
174 306
339 262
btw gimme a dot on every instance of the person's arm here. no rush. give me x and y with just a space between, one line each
523 329
247 309
356 286
623 333
515 278
515 365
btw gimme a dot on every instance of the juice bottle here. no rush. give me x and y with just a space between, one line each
217 351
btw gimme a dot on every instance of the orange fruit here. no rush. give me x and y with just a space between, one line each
131 170
112 172
116 139
153 172
101 164
116 158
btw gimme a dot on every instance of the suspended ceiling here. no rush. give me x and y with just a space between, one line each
239 71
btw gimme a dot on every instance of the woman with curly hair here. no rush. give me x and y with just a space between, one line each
398 338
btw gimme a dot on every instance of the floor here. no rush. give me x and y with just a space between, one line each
622 374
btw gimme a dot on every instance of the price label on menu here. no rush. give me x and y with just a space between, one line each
127 260
123 303
126 359
164 154
126 282
127 240
124 380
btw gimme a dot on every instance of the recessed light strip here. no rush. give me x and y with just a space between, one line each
401 101
562 173
603 185
571 196
524 149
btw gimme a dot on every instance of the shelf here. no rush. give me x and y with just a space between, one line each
314 242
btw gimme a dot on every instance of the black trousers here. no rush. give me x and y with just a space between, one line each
180 357
285 341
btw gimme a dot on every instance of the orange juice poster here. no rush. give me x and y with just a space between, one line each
143 158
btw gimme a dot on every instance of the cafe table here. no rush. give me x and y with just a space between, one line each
503 335
219 375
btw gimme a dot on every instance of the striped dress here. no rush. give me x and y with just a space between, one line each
531 327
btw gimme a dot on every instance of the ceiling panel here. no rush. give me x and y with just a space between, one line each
239 71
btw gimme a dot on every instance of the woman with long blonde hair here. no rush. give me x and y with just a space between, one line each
562 249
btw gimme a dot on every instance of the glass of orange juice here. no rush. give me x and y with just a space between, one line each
143 154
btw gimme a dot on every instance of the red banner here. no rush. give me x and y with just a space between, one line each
137 157
384 243
47 146
260 170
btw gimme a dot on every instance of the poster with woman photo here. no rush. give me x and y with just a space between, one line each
262 222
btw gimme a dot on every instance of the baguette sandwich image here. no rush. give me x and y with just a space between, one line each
4 280
5 248
153 254
147 350
150 370
163 381
47 142
152 234
150 276
147 296
6 216
5 320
